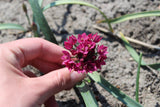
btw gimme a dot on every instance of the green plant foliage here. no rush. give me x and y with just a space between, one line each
40 2
135 55
129 102
37 32
11 26
61 2
133 16
156 66
40 19
87 95
137 79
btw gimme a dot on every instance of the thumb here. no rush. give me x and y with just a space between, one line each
58 80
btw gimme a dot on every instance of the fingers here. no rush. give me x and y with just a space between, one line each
45 66
27 50
58 80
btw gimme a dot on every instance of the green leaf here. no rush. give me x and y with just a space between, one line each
134 15
40 19
62 2
37 32
11 26
155 66
129 102
137 79
40 2
87 95
132 52
135 55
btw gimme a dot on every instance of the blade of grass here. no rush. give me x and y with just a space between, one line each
37 31
129 102
87 95
133 16
39 17
156 66
40 2
128 38
137 79
62 2
135 55
11 26
132 52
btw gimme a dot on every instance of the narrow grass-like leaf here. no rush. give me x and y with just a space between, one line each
37 32
137 79
135 55
87 95
133 16
11 26
39 17
40 2
155 66
62 2
129 102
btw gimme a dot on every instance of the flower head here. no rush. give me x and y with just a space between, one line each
85 55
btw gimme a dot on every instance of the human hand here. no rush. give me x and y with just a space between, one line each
18 88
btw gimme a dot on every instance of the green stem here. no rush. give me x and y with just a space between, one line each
108 22
29 22
137 79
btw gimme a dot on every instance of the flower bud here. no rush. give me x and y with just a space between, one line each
24 8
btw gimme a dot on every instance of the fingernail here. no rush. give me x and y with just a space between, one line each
75 76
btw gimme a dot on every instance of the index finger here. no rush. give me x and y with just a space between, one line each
29 49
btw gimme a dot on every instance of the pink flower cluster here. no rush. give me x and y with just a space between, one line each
85 55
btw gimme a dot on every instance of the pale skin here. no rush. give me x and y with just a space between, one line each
20 88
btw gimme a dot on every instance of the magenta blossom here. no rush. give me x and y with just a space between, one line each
85 55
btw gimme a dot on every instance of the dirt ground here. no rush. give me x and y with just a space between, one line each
120 69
